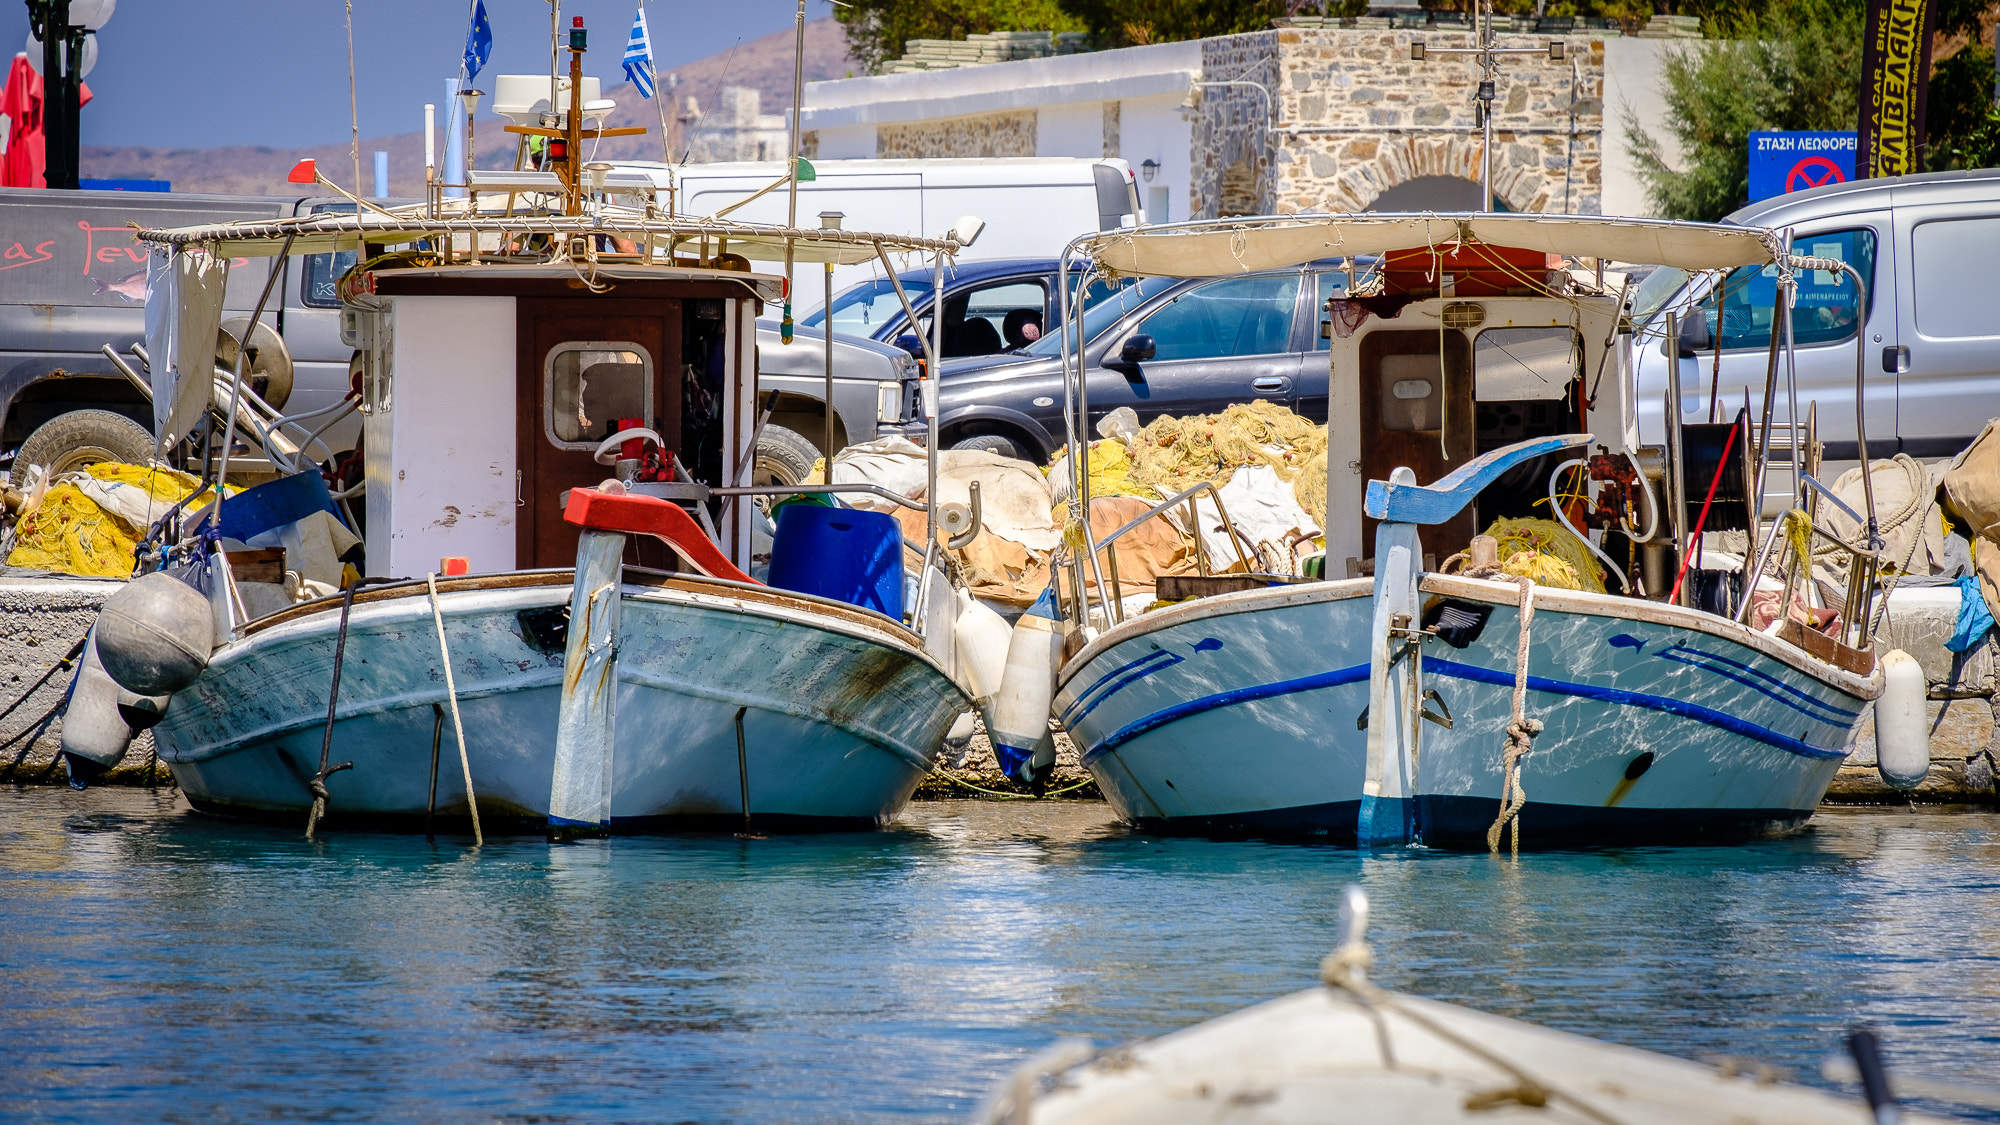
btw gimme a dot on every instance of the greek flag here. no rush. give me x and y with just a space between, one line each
639 56
478 41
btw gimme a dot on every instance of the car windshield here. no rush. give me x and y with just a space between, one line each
1655 291
865 307
1105 304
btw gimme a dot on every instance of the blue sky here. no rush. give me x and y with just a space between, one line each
203 73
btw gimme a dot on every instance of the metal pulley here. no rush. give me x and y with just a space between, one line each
960 522
269 372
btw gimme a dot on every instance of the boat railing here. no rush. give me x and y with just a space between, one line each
820 490
1113 606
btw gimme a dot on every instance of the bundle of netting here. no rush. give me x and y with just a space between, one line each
1545 551
1173 454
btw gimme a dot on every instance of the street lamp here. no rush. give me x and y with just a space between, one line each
62 25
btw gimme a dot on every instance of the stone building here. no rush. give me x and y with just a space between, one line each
1289 119
737 129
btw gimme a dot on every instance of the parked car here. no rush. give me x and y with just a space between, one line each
989 307
1030 205
869 380
1929 247
1160 346
74 279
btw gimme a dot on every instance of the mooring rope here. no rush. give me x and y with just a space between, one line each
1521 732
457 724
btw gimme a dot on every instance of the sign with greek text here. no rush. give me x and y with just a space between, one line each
1895 74
1787 162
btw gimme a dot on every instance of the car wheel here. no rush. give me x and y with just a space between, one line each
783 457
82 438
992 443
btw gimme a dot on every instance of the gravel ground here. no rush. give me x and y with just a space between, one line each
974 763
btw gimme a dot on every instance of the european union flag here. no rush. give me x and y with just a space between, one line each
639 56
478 41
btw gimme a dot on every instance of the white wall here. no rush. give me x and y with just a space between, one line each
1155 129
448 475
1634 83
847 142
1070 130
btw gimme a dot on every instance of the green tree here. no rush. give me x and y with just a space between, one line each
1796 64
1122 23
877 29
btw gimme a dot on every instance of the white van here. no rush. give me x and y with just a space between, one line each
1032 206
1930 247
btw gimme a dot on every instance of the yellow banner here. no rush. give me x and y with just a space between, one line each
1895 72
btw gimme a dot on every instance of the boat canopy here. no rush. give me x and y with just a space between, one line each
328 232
1219 248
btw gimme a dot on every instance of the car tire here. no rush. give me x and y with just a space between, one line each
783 457
992 443
82 438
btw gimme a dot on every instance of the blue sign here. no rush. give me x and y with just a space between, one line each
1786 162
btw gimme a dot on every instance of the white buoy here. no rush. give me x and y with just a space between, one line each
982 638
1017 718
154 635
94 735
1902 726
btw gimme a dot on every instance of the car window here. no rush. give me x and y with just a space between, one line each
323 271
1956 265
1655 290
1825 310
1014 312
1238 316
1115 302
861 309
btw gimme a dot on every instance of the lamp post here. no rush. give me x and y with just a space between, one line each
62 26
1489 74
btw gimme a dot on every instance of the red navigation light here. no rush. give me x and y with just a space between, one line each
304 172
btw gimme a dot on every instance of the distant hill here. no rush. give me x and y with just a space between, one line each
763 64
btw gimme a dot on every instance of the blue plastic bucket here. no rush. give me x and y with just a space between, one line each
840 553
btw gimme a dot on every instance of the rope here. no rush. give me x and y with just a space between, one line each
457 724
317 784
1918 502
943 776
1521 732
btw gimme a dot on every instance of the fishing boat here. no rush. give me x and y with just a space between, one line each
559 385
1351 1051
1430 695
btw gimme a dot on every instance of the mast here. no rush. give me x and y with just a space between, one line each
792 175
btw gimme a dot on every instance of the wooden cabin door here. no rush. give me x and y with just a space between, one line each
584 363
1417 412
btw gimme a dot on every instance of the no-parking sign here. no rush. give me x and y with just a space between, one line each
1786 162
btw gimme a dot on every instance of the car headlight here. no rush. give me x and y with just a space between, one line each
888 402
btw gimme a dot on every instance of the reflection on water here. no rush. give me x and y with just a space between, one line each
163 966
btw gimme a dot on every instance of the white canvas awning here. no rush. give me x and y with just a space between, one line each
329 232
1232 246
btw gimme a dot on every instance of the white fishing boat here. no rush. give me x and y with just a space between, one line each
1349 1051
1479 376
600 656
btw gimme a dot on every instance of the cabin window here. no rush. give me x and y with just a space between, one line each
591 385
1411 397
1517 364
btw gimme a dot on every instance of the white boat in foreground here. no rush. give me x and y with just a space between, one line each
1351 1052
1480 376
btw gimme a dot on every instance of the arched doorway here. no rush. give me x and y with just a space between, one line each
1433 193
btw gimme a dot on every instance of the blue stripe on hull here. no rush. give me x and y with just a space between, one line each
1132 730
1679 707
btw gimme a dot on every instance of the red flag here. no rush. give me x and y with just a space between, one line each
26 146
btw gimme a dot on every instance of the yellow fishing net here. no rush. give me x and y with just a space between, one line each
1545 551
1174 453
72 533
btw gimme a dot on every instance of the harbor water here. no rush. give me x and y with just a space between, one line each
164 966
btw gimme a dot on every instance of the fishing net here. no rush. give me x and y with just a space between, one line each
1545 551
1174 453
89 523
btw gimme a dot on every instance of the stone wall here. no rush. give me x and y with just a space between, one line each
1357 116
39 620
987 134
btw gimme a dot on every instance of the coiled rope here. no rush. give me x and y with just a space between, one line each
1521 732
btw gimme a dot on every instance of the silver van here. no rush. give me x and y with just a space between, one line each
1930 246
72 279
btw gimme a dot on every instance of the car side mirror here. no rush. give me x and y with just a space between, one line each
1694 334
1137 349
912 343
